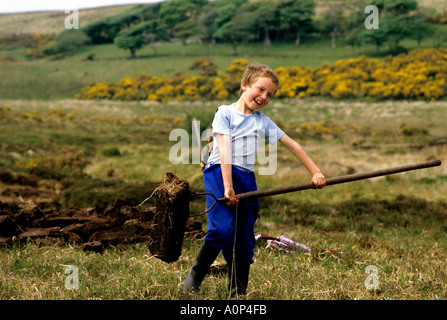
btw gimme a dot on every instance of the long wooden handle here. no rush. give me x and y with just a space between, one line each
329 181
337 180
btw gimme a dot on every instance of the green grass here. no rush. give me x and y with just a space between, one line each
409 260
61 79
394 223
144 148
64 152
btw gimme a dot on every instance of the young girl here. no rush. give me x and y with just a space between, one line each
229 171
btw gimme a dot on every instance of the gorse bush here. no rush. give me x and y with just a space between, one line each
180 87
419 74
28 40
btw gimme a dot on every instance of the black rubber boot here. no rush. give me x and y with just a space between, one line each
238 279
205 258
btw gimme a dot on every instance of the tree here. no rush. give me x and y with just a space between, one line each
420 28
134 38
215 17
400 7
397 23
102 31
399 19
73 38
353 39
185 31
239 29
68 41
128 40
266 18
377 37
105 30
179 18
222 21
206 25
296 15
355 25
174 12
149 12
333 21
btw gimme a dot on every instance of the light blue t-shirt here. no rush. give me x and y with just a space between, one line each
245 132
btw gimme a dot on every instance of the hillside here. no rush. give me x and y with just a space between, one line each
51 22
88 133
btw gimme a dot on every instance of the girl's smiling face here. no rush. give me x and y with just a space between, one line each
258 95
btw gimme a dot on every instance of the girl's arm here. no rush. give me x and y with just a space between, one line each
317 177
224 145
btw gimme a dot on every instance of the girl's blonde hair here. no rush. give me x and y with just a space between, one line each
255 71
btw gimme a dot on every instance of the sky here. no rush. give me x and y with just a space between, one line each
16 6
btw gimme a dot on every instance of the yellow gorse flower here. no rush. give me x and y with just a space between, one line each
420 74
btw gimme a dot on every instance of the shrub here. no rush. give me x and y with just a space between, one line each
420 74
67 41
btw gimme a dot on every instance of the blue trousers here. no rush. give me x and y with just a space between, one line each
221 220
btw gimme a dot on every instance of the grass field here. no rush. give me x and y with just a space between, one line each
112 64
51 22
60 79
396 223
62 152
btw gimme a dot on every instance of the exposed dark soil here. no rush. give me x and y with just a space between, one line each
120 222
